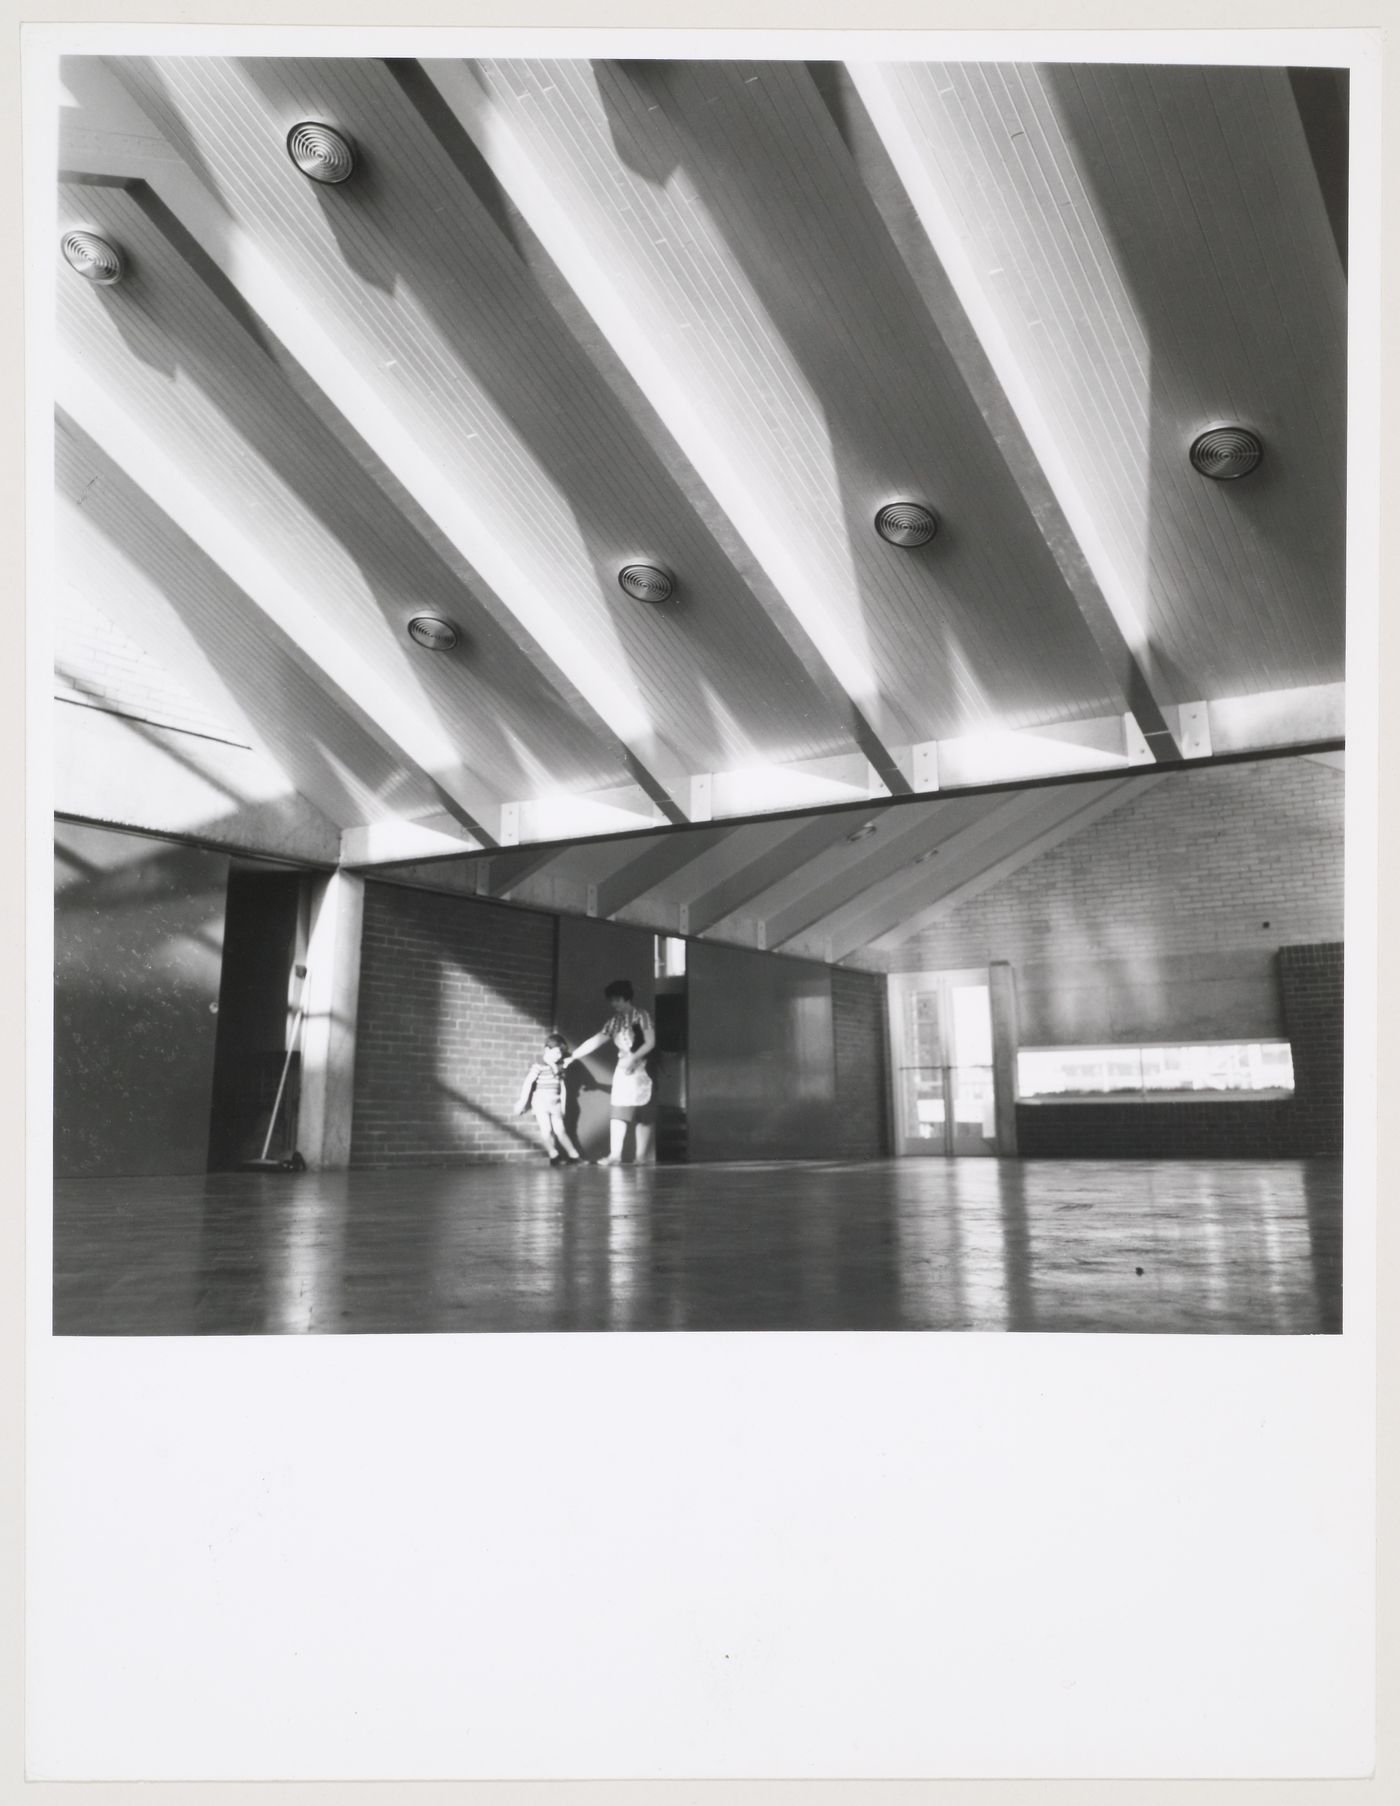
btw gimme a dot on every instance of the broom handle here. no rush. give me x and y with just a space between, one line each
286 1068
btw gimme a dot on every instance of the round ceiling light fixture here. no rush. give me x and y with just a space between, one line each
321 152
1226 452
906 523
432 633
647 582
923 858
93 257
864 831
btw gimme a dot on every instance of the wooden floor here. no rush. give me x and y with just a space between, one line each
1235 1247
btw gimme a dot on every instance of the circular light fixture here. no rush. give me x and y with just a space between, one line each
864 831
647 582
1225 452
906 524
924 858
432 633
321 152
93 257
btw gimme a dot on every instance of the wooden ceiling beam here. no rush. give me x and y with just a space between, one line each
779 855
817 890
899 171
1020 832
650 867
355 683
539 177
566 658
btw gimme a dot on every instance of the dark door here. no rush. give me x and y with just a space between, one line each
255 1001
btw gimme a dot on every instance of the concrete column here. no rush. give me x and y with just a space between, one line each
328 1033
1005 1045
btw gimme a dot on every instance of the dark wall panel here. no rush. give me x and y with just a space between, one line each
591 954
138 937
260 944
762 1066
862 1043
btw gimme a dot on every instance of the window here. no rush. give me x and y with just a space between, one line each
670 957
1156 1071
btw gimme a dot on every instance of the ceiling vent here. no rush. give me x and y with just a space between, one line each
906 524
647 582
321 153
1226 452
93 257
864 831
432 632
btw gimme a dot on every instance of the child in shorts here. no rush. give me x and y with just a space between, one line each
544 1089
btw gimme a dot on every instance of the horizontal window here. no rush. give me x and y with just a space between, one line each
1213 1067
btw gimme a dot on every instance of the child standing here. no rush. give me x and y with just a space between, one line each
544 1088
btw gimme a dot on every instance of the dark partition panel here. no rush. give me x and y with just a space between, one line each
761 1075
592 953
138 937
260 943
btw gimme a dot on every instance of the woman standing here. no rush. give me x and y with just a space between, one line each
633 1034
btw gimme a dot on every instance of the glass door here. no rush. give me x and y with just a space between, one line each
941 1060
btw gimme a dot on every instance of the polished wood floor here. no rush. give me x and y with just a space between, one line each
1236 1247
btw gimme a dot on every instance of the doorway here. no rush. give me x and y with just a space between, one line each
264 937
941 1063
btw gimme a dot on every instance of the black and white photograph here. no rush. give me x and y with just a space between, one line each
702 848
698 695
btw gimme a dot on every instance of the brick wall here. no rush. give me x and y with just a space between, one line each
1209 907
456 997
99 666
1199 862
1311 979
858 1019
1308 1123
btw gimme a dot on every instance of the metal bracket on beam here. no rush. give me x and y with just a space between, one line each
591 905
701 798
1135 742
1195 730
510 824
761 936
925 757
875 785
683 919
482 876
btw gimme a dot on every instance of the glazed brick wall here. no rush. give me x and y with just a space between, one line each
1308 1123
98 666
1197 862
858 1021
456 997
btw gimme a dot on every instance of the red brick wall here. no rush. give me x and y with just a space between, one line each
456 997
858 1017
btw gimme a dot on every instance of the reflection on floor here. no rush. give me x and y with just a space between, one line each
1135 1246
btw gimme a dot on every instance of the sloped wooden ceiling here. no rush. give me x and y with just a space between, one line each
569 314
